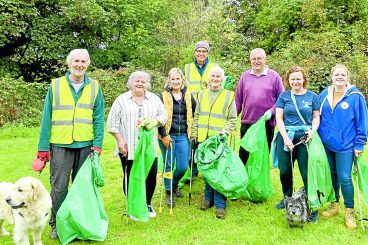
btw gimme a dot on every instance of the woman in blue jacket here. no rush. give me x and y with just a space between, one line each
343 131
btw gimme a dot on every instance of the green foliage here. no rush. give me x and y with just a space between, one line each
21 102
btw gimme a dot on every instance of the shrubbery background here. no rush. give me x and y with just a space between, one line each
156 35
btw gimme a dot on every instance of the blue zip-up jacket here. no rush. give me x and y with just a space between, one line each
343 128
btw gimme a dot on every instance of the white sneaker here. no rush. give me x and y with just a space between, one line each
132 218
152 213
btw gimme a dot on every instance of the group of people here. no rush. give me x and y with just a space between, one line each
194 106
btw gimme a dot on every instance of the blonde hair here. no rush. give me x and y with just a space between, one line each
343 67
176 71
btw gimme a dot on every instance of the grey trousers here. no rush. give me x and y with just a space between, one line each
64 162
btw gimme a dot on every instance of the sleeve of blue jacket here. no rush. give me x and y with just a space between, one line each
361 122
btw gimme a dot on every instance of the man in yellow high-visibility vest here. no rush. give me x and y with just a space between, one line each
197 75
72 126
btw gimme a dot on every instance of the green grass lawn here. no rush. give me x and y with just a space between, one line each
245 223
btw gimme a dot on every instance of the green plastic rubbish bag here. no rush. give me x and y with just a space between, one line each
221 167
362 171
143 159
258 165
82 214
320 188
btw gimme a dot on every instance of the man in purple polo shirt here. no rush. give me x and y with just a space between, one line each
256 95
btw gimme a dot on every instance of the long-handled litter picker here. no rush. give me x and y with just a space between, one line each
358 171
167 176
191 171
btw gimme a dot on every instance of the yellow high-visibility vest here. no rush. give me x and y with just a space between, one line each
196 81
212 119
72 121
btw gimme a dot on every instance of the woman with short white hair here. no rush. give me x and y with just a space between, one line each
135 108
215 114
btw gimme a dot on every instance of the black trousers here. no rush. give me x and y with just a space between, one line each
300 153
243 154
150 180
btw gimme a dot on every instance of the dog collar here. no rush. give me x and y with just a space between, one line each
21 205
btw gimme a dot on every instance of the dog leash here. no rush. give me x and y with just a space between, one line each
303 140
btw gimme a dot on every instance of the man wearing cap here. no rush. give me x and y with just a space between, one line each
197 75
197 72
72 127
256 95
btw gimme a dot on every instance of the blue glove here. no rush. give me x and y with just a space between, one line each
268 115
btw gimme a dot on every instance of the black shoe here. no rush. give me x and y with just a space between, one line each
281 205
53 233
177 192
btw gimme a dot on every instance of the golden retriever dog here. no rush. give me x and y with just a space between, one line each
29 203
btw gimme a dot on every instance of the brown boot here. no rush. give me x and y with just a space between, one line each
334 210
350 218
220 213
206 205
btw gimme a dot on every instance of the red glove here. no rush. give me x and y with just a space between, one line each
98 149
43 155
40 162
166 141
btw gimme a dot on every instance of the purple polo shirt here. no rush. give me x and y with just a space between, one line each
257 94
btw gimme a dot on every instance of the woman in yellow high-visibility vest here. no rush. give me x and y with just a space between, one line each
215 114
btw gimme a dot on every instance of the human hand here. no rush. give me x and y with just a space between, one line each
43 155
268 115
166 141
309 134
123 148
150 123
357 153
98 149
289 143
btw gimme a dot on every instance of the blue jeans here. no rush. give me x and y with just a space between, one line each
340 166
213 196
180 155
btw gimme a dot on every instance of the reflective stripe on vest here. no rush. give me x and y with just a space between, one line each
196 81
212 120
72 121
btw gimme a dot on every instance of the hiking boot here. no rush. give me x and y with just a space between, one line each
53 233
206 205
168 199
313 217
334 210
177 192
220 213
281 205
152 213
350 218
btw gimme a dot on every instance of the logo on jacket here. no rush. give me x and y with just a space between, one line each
344 105
306 104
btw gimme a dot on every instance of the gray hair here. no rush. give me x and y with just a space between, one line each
72 53
217 69
141 74
176 71
258 50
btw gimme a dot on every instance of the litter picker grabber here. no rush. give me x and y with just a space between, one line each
357 170
191 172
167 176
126 185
